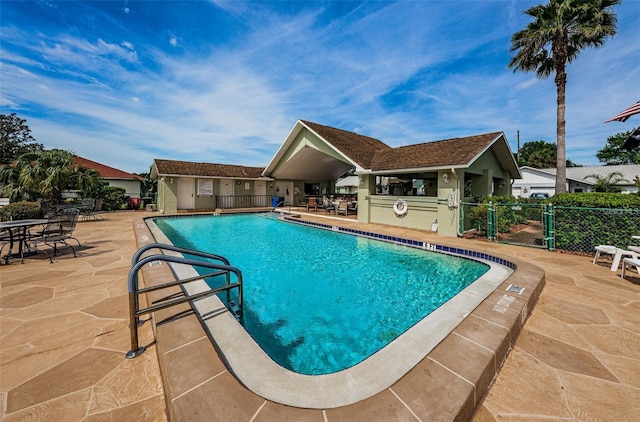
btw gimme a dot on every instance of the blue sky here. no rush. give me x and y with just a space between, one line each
124 82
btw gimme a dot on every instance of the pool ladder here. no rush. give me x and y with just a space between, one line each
137 262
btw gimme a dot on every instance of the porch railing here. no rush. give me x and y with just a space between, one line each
243 201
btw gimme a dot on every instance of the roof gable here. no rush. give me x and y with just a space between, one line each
106 172
187 168
359 148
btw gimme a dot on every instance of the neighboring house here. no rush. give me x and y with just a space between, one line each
544 180
347 185
131 183
184 185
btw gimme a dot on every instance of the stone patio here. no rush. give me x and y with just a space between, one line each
64 333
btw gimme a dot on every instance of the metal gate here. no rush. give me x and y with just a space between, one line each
521 224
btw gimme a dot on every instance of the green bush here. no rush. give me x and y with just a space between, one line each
585 220
597 200
510 211
114 198
21 211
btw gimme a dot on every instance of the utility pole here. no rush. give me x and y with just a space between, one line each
518 152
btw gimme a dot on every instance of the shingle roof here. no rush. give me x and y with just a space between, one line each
188 168
628 172
449 152
359 148
106 172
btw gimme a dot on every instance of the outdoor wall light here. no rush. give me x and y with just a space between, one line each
445 177
238 182
270 184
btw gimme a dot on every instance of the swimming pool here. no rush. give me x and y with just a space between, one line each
258 372
318 301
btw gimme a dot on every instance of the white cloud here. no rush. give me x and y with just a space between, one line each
403 72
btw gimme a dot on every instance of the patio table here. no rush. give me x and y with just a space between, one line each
21 237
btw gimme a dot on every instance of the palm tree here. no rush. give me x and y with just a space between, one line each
561 29
45 174
607 183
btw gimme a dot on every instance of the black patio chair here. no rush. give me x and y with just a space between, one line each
57 231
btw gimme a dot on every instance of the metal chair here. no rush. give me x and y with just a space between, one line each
58 230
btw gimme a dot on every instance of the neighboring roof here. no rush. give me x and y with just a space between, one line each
106 172
578 174
359 148
347 181
188 168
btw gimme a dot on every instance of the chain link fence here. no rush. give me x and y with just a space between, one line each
571 229
582 229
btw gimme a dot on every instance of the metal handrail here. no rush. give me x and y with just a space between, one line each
134 291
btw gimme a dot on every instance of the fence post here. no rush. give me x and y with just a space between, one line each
552 233
491 217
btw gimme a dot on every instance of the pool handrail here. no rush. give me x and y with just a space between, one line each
134 291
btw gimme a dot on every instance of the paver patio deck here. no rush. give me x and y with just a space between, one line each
64 333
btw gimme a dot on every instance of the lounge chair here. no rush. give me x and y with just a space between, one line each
352 207
631 262
617 253
57 231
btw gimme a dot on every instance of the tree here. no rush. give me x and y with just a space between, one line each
15 138
607 183
613 153
540 155
560 30
45 174
149 185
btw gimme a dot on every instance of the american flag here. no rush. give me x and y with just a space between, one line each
626 113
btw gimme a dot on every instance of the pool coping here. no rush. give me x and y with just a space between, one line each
514 306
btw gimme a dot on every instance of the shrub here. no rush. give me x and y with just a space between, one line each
21 211
114 198
584 220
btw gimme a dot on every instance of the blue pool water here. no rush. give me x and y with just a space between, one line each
319 302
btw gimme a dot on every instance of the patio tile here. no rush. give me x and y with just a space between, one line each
149 410
560 355
183 373
434 393
136 380
614 402
626 369
468 360
57 306
527 387
79 372
487 334
112 307
223 393
572 312
612 340
72 407
278 412
552 327
384 406
26 297
39 329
